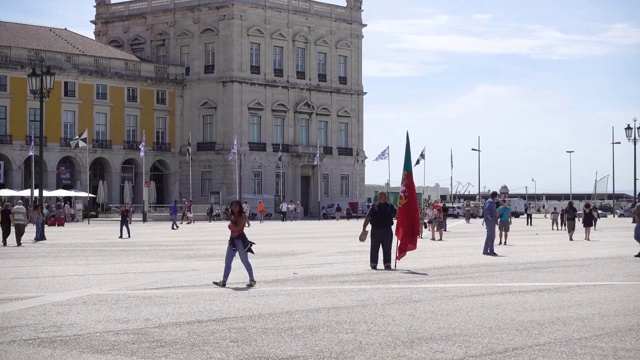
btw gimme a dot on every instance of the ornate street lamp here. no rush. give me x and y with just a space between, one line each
632 136
40 86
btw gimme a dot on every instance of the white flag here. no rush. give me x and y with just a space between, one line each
144 137
31 147
317 159
80 140
384 155
234 149
189 147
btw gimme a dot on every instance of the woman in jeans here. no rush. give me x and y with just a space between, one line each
238 242
37 222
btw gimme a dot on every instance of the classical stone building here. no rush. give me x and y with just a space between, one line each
278 75
110 93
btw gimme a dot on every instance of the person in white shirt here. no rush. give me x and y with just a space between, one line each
246 208
299 211
283 211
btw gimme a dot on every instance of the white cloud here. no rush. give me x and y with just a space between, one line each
419 46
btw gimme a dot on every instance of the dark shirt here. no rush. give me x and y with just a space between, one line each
124 215
6 217
572 213
445 210
381 215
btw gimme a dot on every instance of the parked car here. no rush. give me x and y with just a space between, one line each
625 213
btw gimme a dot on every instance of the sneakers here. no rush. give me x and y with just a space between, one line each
374 267
638 256
252 283
388 267
220 283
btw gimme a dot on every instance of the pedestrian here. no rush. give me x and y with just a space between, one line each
423 221
210 212
283 211
131 211
504 224
445 216
588 219
299 211
184 210
246 208
190 218
348 213
431 218
438 224
174 215
490 221
554 218
528 209
381 216
563 220
38 222
5 222
238 243
338 212
291 209
67 212
261 211
636 230
19 219
124 221
571 213
596 215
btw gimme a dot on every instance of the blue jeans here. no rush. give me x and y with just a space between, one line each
174 223
231 254
38 225
636 233
491 237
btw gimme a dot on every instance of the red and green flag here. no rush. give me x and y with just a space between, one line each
408 218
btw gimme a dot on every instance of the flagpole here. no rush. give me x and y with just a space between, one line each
424 175
88 212
190 174
33 173
319 180
389 168
237 177
451 188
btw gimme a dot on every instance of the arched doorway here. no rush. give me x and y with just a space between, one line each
6 173
131 170
26 173
159 174
99 170
67 173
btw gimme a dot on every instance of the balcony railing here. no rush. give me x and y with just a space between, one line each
255 70
206 146
278 72
345 151
257 146
131 145
132 98
101 96
65 142
6 140
69 93
209 69
327 150
342 80
286 148
322 78
162 146
301 75
27 140
102 144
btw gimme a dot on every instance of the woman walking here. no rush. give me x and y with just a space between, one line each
563 220
596 216
431 215
238 242
588 219
438 223
37 222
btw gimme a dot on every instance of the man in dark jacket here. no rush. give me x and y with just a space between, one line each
381 217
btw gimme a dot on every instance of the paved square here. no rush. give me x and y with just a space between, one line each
85 294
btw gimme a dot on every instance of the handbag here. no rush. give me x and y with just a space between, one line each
363 236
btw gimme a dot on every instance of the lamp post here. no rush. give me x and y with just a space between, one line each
40 86
632 136
535 194
570 152
613 162
478 151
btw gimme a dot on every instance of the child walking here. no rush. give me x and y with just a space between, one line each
238 242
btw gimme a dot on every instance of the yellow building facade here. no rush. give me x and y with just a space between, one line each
118 100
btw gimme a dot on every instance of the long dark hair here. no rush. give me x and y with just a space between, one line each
240 212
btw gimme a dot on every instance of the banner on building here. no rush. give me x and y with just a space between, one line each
127 174
1 172
64 176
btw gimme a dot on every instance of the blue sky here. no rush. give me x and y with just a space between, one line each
532 78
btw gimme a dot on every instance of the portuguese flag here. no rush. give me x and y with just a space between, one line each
408 222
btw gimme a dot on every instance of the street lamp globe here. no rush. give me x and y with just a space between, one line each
49 78
34 83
